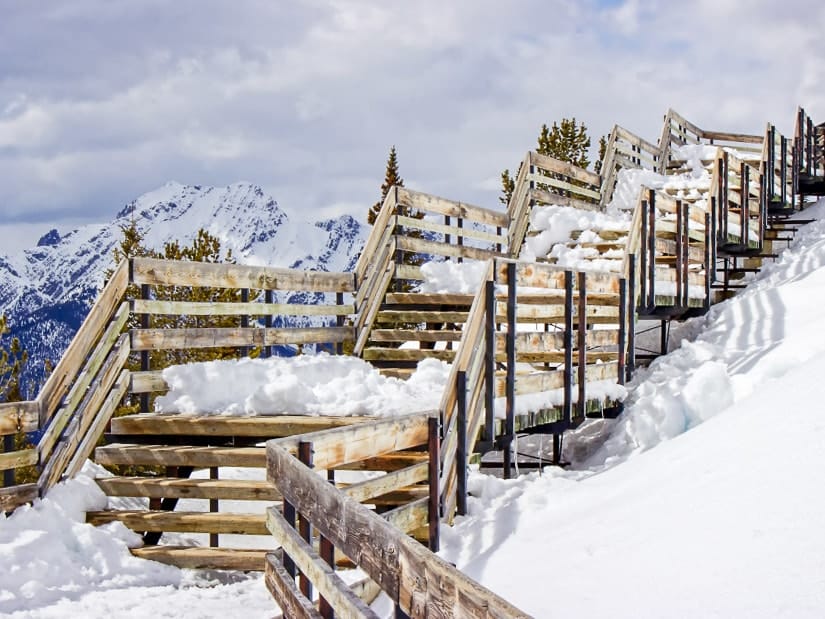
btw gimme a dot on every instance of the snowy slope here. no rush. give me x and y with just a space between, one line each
47 290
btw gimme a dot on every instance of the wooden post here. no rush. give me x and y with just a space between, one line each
685 254
339 322
461 449
622 331
568 348
489 361
723 195
145 361
244 321
651 247
784 177
631 314
679 253
269 297
447 235
8 446
643 265
459 238
744 199
214 507
763 208
304 525
771 163
326 550
714 237
510 381
708 258
582 345
434 506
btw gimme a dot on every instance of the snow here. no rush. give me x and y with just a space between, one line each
454 277
702 500
304 385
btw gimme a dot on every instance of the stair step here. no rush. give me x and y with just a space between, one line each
183 522
415 335
419 316
175 455
267 426
400 373
429 298
406 354
200 557
172 487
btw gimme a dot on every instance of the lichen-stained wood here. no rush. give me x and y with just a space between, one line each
19 417
15 496
210 275
434 204
282 587
183 522
423 584
208 308
335 591
217 337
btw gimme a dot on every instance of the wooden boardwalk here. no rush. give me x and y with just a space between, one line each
530 329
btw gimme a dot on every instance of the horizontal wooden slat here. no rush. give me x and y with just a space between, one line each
186 273
434 204
282 586
217 337
340 597
746 138
410 335
409 517
147 382
234 489
418 316
170 455
564 186
453 231
423 246
19 416
565 168
16 459
183 522
271 426
554 340
371 488
429 298
554 379
406 354
201 557
542 196
13 497
536 275
193 308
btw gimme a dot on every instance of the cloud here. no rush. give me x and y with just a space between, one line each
102 101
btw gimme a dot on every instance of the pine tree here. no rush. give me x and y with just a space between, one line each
13 359
602 151
567 141
391 178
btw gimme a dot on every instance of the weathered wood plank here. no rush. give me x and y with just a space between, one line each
746 138
205 308
183 522
13 497
551 164
542 196
158 488
564 186
409 517
218 337
379 235
346 445
554 379
406 354
538 275
282 587
388 462
420 316
212 275
147 382
19 417
414 335
17 459
270 426
442 206
365 537
202 557
172 455
61 379
340 597
429 298
453 231
423 246
531 342
371 488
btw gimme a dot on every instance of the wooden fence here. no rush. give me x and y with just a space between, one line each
419 583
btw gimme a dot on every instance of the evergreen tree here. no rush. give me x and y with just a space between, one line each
13 358
391 178
508 186
602 151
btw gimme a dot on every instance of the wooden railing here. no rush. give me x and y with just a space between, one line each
417 582
537 314
625 150
810 145
442 229
781 178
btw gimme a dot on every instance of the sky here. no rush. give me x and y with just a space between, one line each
101 101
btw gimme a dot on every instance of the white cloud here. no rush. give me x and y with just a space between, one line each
103 101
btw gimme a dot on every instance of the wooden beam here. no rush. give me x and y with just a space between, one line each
13 497
441 206
218 337
172 487
200 557
211 275
269 426
282 587
208 308
183 522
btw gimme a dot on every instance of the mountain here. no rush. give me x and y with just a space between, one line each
46 291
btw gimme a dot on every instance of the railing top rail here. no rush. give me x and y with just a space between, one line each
634 139
558 166
453 208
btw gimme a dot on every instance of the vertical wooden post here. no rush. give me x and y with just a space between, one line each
245 320
631 315
568 348
685 254
8 474
434 504
622 343
744 206
489 362
459 238
582 345
784 178
447 235
326 550
269 298
679 253
723 195
214 507
145 361
339 321
651 247
663 337
498 245
304 525
643 265
708 257
461 449
510 384
771 163
714 237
